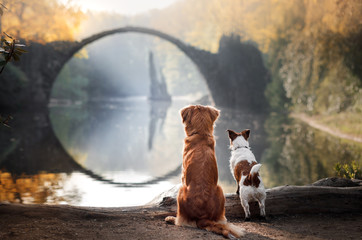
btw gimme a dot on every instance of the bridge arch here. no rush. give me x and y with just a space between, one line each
69 49
182 46
196 55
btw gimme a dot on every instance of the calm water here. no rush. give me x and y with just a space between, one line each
130 150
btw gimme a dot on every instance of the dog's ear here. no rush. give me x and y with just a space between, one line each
246 133
186 113
232 134
214 113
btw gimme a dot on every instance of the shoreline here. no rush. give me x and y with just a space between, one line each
317 211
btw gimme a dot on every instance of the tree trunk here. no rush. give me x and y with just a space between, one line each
287 200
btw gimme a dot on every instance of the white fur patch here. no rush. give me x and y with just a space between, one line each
239 142
237 230
255 168
250 193
240 152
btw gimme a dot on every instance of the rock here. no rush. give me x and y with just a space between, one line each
336 182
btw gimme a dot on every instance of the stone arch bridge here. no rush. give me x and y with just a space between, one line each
66 50
236 78
231 74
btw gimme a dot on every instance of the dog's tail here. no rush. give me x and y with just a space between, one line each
253 178
255 169
228 230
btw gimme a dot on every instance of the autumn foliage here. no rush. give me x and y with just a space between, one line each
40 20
312 47
40 188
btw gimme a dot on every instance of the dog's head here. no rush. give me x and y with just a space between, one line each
239 139
199 119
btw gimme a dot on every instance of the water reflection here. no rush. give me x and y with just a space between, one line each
116 136
126 151
30 146
299 154
158 114
39 188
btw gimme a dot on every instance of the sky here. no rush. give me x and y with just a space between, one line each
124 7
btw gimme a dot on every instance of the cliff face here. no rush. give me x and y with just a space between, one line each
241 75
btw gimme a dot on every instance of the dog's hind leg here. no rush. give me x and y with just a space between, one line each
245 205
262 207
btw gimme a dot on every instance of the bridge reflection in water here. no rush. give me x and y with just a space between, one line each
121 152
115 161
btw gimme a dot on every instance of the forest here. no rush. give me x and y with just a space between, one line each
313 53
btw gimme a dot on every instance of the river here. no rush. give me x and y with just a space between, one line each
130 150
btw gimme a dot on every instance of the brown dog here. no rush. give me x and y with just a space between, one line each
200 201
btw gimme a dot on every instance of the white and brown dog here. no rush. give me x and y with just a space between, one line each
200 200
245 170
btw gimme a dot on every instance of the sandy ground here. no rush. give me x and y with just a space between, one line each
66 222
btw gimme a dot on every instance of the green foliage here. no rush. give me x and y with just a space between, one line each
71 85
319 71
10 50
275 91
348 170
275 94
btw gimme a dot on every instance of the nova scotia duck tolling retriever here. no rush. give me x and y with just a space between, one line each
200 201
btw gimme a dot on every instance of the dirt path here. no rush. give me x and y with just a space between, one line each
311 122
65 222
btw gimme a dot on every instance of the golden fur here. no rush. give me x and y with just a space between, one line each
200 201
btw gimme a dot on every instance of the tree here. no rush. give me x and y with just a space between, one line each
10 50
41 20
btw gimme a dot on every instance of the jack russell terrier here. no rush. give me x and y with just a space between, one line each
245 170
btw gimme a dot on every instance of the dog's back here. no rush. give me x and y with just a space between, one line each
200 176
244 168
